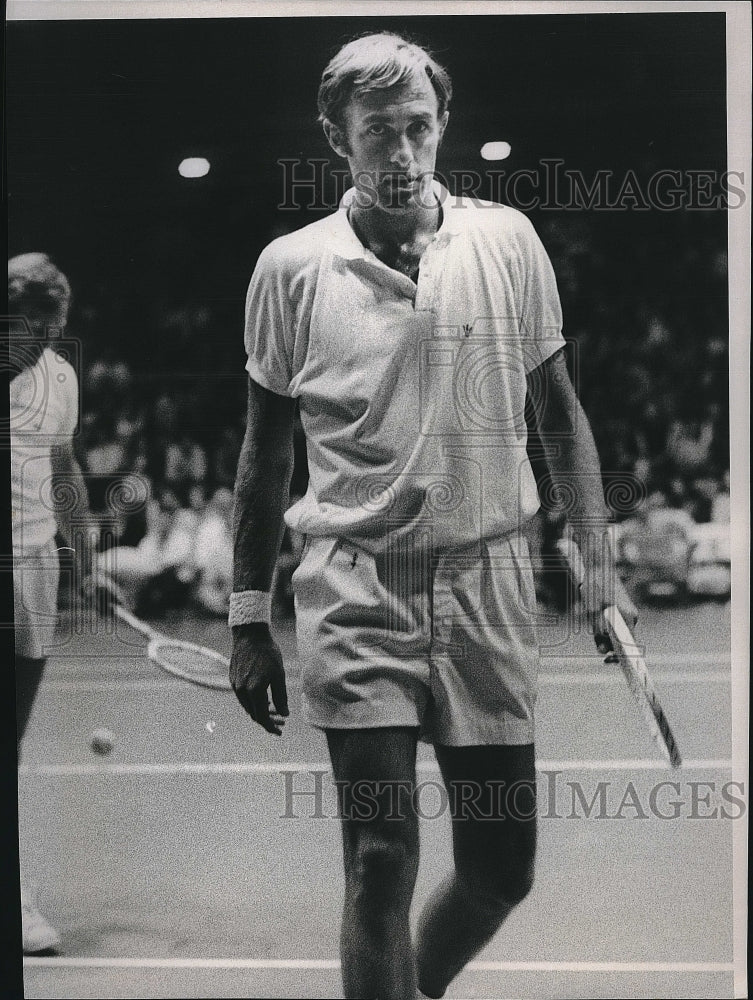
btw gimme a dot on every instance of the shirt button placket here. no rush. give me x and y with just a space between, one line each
425 289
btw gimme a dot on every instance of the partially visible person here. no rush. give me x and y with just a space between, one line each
158 573
185 465
105 453
48 494
104 457
720 506
656 547
130 425
703 491
689 444
160 430
129 511
225 458
415 612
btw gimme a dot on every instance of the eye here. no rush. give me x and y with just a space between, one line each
421 127
375 130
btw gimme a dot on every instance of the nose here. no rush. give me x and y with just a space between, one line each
401 154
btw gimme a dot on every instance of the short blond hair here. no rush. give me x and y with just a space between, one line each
38 290
376 62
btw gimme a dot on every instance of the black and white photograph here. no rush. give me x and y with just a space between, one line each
378 457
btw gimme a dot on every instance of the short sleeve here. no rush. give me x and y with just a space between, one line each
541 320
270 324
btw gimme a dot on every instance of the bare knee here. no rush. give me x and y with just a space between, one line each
383 857
383 866
500 889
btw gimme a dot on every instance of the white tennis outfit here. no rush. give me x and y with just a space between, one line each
43 413
414 598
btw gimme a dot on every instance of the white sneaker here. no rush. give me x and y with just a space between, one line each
36 934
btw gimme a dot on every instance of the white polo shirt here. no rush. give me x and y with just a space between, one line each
411 396
43 413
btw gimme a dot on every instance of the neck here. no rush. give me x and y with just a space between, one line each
377 227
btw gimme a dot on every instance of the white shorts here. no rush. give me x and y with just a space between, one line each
35 595
448 646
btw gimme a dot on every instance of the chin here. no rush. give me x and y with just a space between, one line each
394 201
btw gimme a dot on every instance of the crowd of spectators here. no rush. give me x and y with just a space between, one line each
160 474
648 353
160 478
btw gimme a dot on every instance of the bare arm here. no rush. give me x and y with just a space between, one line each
261 493
574 464
261 490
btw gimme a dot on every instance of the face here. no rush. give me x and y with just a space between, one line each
196 498
390 139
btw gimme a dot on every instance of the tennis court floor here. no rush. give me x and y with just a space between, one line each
201 858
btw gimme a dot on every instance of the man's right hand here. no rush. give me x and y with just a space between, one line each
256 672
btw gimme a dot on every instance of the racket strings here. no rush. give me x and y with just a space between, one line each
191 662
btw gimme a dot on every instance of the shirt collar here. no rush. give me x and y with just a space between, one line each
349 247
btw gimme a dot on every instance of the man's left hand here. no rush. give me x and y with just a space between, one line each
600 589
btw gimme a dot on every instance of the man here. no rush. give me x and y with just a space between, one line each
48 494
160 572
411 327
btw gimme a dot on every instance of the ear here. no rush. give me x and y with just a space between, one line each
336 138
443 124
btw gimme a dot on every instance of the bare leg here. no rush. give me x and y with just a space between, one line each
38 937
376 771
28 677
493 800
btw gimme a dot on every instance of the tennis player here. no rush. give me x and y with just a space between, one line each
410 327
48 493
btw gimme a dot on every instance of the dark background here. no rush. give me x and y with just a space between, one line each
100 113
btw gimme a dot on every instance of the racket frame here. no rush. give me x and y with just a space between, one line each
158 639
640 684
632 663
218 682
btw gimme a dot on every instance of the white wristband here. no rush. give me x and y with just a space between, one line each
250 606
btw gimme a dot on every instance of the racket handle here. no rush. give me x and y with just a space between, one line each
568 549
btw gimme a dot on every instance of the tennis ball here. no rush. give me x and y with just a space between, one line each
102 741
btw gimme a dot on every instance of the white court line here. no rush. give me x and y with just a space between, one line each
153 684
332 963
123 661
616 677
654 659
237 768
545 680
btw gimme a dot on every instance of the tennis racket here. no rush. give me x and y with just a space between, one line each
627 652
187 660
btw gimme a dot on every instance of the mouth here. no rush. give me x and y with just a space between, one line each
400 182
399 191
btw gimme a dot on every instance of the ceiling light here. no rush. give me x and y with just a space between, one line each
194 166
496 150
